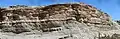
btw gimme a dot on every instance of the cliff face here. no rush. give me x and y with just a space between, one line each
68 20
80 12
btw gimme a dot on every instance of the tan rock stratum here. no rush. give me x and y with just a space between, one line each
57 21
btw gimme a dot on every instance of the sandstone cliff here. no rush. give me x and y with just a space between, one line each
70 21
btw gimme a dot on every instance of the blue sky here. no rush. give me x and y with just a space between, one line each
112 7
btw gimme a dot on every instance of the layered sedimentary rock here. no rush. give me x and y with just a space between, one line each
57 21
20 18
25 17
81 12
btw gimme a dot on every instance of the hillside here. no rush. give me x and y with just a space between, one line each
57 21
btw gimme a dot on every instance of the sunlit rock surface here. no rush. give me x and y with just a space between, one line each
57 21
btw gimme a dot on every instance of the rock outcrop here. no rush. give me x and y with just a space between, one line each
68 20
83 13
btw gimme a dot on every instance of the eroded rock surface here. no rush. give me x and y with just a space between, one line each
57 21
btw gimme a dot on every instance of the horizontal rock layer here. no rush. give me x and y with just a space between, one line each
83 13
23 18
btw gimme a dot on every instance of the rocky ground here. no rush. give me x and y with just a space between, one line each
57 21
